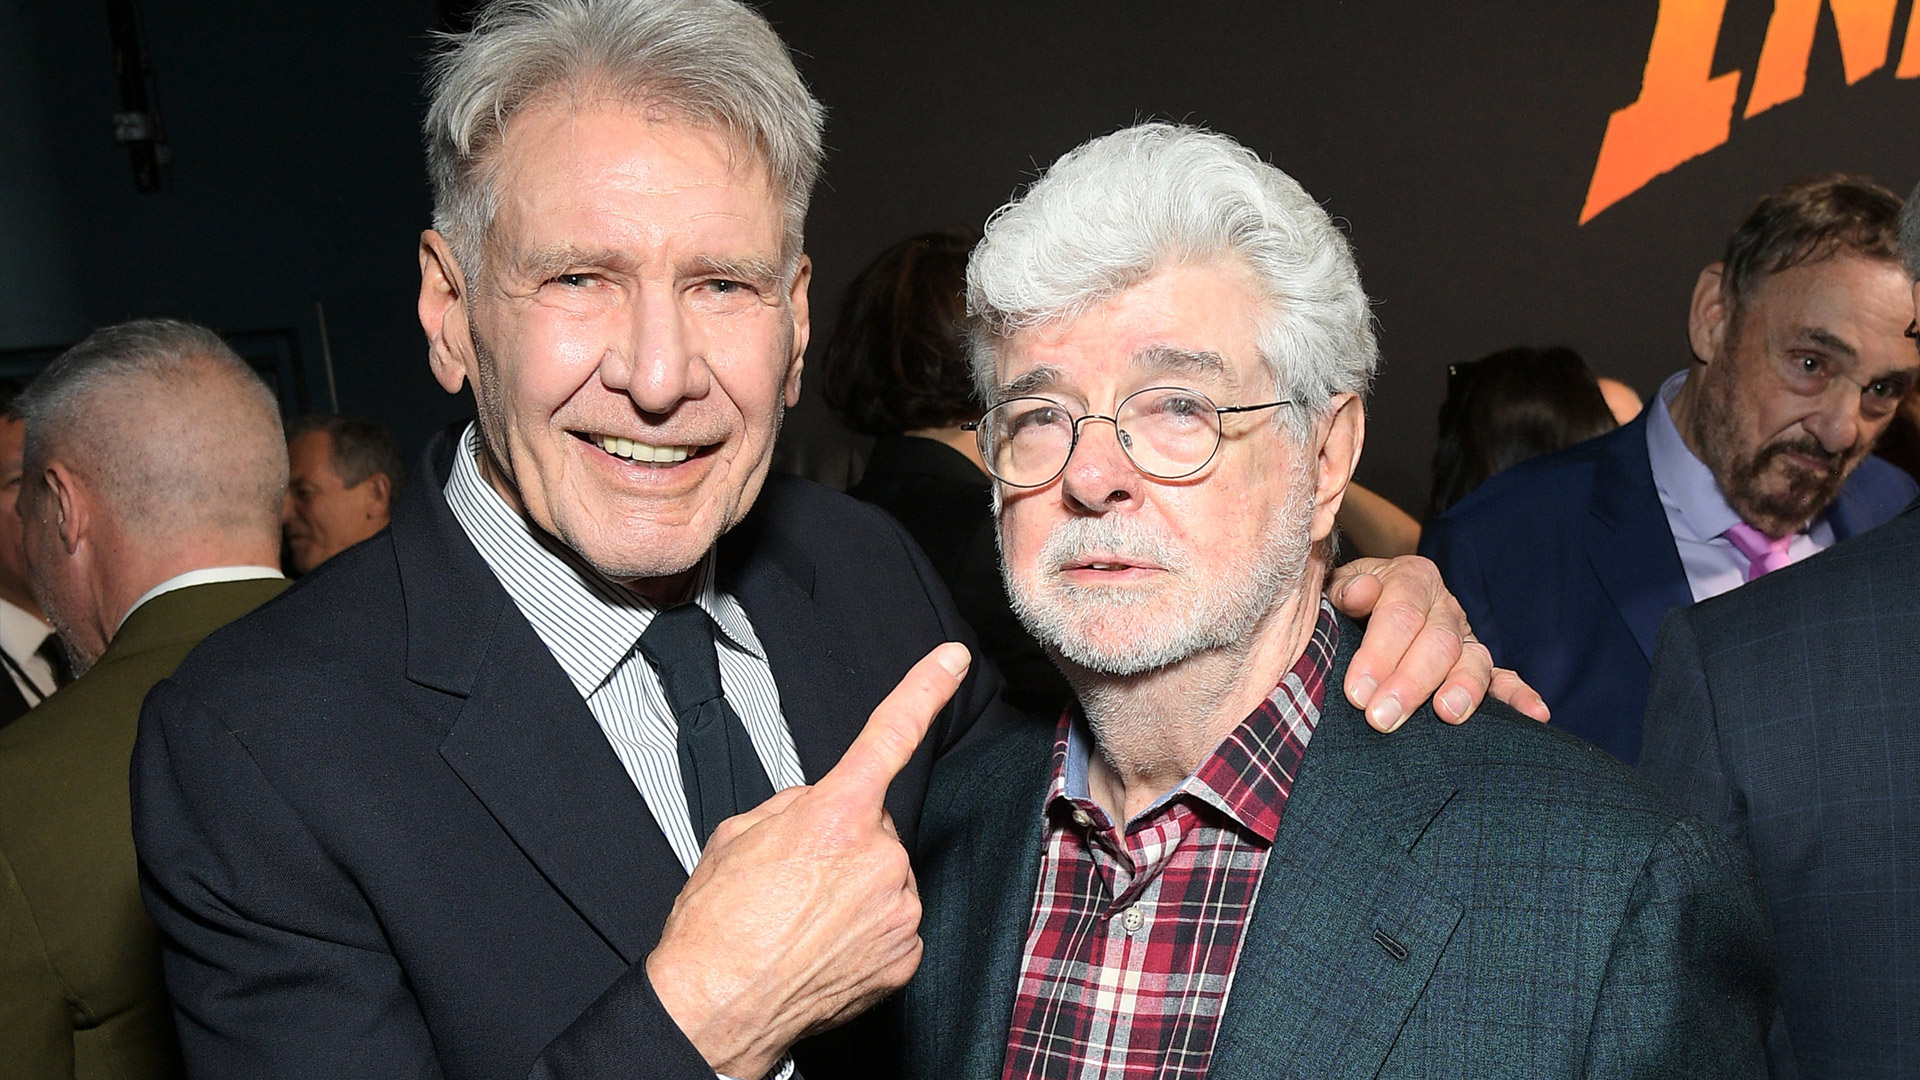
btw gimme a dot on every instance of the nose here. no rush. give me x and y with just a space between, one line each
1098 477
286 509
662 363
1838 423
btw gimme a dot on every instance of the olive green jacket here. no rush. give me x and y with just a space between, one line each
80 988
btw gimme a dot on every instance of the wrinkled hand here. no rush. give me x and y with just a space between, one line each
803 912
1417 641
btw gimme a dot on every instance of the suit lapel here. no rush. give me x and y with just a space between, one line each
528 748
1347 928
522 740
1633 553
980 891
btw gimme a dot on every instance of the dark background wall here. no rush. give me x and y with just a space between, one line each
1457 139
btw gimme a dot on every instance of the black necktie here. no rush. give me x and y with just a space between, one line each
719 768
55 655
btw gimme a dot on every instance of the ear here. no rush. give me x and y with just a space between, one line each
802 327
1339 455
380 492
1710 314
71 505
444 311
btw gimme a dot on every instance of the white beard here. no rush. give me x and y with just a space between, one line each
1119 631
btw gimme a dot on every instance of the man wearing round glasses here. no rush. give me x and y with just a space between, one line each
1183 877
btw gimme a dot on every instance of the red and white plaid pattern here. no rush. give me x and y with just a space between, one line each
1131 952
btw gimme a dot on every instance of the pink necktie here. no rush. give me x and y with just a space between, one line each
1764 554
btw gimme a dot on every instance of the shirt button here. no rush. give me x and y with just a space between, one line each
1134 919
1082 819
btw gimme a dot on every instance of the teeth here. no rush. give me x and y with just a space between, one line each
639 451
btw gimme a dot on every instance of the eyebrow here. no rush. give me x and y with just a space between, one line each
1183 361
1041 378
1154 358
751 270
1828 339
542 263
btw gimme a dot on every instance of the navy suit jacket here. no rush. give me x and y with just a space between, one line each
1788 713
1544 913
383 836
1565 566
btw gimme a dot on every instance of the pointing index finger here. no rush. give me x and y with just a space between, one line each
895 729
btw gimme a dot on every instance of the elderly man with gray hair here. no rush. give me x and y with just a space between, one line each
150 500
1212 866
605 759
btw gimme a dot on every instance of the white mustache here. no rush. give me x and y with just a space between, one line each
1073 541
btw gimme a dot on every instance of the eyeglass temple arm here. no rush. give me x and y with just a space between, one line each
1253 408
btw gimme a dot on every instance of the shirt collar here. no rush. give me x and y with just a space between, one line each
207 576
21 634
1683 480
1242 778
590 624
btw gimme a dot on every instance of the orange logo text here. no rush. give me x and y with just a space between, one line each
1685 110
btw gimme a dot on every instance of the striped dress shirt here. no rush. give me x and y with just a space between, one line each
593 627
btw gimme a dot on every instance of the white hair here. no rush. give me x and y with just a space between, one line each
1112 211
180 436
1910 233
713 63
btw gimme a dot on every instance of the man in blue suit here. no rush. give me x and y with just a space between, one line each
1789 715
1211 865
1754 458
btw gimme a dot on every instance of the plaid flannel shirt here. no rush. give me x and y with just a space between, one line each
1135 934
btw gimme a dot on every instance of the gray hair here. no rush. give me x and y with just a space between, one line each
714 63
1910 233
172 426
1110 212
361 448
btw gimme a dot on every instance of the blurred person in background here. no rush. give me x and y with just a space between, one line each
343 475
139 546
895 368
1623 400
29 649
1754 457
1507 407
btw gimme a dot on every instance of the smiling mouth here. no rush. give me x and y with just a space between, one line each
641 453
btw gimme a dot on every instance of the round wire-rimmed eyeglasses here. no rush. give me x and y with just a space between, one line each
1167 432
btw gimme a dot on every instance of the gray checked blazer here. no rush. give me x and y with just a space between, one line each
1788 713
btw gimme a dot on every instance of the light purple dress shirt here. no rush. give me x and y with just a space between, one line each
1697 514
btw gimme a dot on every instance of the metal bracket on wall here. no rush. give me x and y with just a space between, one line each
137 125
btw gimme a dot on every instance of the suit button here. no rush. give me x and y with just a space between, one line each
1134 919
1082 819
